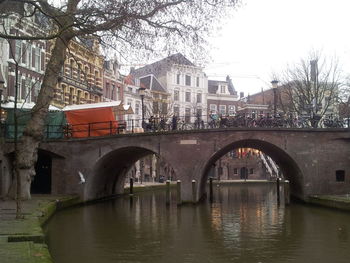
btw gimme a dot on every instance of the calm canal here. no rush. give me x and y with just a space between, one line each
243 224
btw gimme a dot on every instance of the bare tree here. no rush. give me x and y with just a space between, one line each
344 102
146 25
311 87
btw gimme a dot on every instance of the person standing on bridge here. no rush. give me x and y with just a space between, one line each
174 122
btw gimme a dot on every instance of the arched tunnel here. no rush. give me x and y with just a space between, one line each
109 172
286 164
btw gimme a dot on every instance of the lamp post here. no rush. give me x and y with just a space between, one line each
274 88
142 95
2 114
2 82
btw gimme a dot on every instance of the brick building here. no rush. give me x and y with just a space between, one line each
222 97
81 78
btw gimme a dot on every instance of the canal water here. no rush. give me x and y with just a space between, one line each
243 224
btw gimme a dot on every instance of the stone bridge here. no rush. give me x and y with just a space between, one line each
316 161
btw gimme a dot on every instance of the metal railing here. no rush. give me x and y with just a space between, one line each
163 124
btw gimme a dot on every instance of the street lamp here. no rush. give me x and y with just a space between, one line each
274 88
142 95
2 82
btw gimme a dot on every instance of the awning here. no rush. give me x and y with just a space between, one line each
117 107
25 106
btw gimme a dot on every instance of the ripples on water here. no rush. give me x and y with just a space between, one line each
243 224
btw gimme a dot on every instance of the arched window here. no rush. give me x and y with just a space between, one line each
71 66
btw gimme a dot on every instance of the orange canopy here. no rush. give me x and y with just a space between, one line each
91 122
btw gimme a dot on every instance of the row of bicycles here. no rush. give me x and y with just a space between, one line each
177 123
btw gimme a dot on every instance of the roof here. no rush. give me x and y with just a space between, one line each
213 86
162 65
93 105
24 105
151 82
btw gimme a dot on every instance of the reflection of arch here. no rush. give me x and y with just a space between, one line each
109 172
288 166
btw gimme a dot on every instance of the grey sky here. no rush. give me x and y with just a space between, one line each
264 36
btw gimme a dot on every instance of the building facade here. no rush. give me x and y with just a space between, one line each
222 97
22 62
112 81
81 78
186 83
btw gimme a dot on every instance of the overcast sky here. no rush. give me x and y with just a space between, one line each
263 36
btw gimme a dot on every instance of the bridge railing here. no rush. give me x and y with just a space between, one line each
164 124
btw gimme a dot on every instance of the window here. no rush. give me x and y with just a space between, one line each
187 115
212 108
231 110
63 88
188 96
71 92
164 108
188 80
130 89
197 82
340 175
37 59
107 90
222 109
235 171
18 52
251 170
199 97
199 112
36 86
176 95
178 78
155 107
28 92
253 114
118 93
33 57
176 110
137 108
24 53
223 89
113 91
79 72
71 66
96 78
79 97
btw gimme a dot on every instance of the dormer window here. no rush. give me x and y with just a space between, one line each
222 89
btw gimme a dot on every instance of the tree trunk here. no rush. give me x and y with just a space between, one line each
27 149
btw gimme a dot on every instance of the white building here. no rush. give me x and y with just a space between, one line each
185 82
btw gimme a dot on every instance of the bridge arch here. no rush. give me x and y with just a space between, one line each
109 172
286 163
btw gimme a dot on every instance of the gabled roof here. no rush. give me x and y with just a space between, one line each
213 86
161 66
151 82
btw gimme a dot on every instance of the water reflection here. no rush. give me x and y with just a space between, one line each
243 224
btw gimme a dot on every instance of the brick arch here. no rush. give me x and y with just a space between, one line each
108 173
290 168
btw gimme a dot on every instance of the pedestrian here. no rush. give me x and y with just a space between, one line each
174 123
